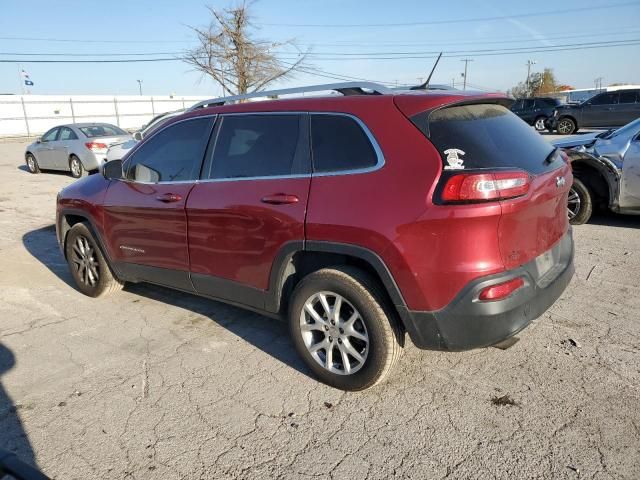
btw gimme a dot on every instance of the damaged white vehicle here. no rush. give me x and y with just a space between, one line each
606 171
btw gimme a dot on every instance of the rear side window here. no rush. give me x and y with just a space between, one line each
488 136
171 155
339 143
249 146
67 134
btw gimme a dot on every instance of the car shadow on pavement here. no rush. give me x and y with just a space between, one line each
267 334
13 438
42 244
611 219
53 172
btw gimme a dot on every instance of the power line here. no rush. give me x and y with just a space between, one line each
500 40
488 40
451 21
420 55
368 55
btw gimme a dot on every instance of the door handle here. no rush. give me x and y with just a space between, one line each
169 197
279 199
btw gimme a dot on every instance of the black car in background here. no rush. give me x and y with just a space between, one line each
606 109
535 111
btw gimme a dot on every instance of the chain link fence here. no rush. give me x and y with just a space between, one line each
32 115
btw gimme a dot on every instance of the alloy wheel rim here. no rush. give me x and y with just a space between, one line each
83 256
30 163
564 126
539 124
75 166
334 333
573 203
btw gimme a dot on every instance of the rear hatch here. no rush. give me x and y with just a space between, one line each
480 141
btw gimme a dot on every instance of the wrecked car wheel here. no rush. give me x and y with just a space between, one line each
579 203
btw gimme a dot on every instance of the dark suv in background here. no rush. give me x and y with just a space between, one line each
535 111
356 218
606 109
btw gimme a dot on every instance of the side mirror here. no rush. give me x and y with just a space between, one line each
137 136
39 140
112 170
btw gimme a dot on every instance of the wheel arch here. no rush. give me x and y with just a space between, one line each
599 174
70 217
296 260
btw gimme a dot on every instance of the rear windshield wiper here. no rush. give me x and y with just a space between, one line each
551 157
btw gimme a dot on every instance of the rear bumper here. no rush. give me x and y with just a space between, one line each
467 323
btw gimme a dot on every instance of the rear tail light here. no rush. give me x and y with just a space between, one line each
93 146
481 187
500 291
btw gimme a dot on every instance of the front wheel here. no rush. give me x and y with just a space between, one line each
342 329
32 163
76 167
89 268
566 126
580 203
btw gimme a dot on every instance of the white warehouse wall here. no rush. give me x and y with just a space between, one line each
22 115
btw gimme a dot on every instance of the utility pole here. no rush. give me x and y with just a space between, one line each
598 82
453 82
464 75
139 86
529 64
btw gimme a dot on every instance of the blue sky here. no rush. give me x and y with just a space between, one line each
143 26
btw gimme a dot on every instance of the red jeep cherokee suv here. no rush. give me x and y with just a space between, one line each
356 217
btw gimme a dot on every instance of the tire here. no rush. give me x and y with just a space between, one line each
566 126
86 262
32 163
76 168
580 203
370 328
539 125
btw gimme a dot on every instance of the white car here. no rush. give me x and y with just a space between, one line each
118 150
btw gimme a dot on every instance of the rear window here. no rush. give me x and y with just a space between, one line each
484 136
94 131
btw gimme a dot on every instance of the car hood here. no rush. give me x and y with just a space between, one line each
585 139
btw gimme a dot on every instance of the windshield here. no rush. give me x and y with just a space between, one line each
94 131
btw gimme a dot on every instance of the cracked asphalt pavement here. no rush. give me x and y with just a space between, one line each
150 383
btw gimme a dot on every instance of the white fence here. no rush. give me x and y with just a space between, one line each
30 115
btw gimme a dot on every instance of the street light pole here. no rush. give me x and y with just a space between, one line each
139 86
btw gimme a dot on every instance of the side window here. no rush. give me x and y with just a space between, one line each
629 97
67 134
517 105
255 145
528 104
605 99
51 135
172 155
339 143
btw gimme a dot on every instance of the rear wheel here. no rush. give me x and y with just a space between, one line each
539 124
88 266
341 328
566 126
32 163
76 167
580 203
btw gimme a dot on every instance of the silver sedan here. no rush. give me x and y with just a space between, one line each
606 170
77 148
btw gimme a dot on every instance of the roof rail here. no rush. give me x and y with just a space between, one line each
348 88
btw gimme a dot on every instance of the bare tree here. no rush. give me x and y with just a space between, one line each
229 54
